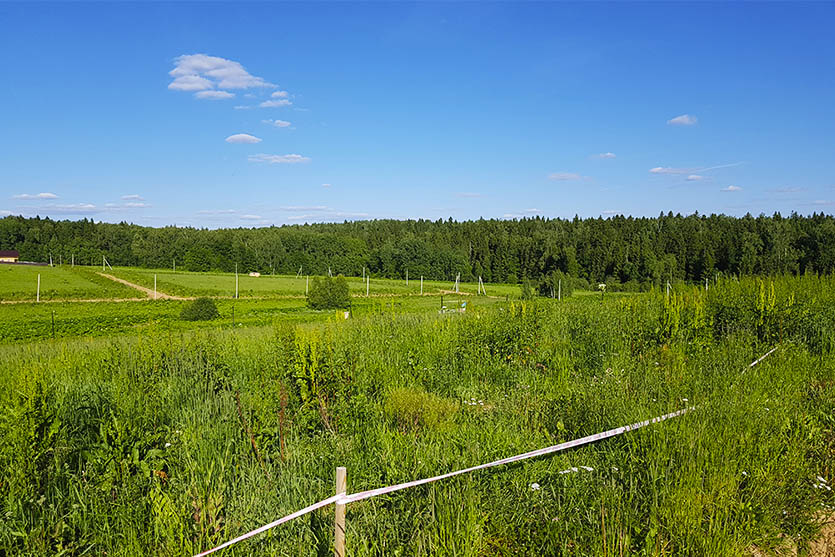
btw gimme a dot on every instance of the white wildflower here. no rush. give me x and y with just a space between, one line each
535 486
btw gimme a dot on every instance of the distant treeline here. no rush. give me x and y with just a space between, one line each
618 249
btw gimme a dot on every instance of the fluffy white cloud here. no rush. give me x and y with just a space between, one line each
42 195
279 94
190 83
278 159
695 178
731 188
243 138
133 197
604 156
214 95
564 176
277 123
197 72
275 104
683 120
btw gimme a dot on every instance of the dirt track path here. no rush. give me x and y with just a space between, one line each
148 291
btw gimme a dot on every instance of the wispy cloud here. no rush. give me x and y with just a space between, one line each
690 171
683 120
695 178
243 138
823 202
279 94
214 95
279 159
251 217
305 208
277 123
128 205
604 156
789 190
610 212
731 189
564 176
133 197
217 212
242 107
274 104
42 195
326 185
5 213
669 170
200 72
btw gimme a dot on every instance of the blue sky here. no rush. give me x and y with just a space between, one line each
381 110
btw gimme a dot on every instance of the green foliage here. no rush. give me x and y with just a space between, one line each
329 293
415 410
142 444
201 309
525 290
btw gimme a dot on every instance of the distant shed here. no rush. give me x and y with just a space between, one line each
9 256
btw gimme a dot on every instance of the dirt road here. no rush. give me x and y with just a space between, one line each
159 295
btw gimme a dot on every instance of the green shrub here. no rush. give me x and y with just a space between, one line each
414 409
201 309
526 290
329 293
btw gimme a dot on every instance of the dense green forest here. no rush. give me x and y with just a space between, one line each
624 250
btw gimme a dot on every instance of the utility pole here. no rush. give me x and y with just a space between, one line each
236 281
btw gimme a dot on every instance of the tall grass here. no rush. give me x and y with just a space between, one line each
141 445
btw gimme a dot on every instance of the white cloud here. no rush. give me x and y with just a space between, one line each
789 190
198 72
532 211
604 156
564 176
4 212
242 107
305 208
73 208
190 83
274 104
133 197
217 212
669 170
279 95
214 95
611 212
326 185
42 195
823 202
278 159
731 189
243 138
277 123
251 217
695 178
683 120
129 205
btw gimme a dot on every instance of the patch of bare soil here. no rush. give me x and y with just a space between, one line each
822 546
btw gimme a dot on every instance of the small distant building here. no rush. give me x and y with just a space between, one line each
9 256
254 274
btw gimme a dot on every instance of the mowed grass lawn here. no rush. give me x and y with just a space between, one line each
20 282
223 284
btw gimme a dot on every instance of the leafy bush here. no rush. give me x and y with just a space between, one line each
329 293
413 409
201 309
526 290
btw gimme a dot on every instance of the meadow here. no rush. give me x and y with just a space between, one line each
20 283
169 442
186 284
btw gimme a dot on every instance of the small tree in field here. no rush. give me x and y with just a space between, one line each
201 309
329 293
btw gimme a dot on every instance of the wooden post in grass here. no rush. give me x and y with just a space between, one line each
72 261
236 281
339 518
38 295
367 285
559 290
174 264
421 285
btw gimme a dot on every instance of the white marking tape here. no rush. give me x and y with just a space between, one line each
342 499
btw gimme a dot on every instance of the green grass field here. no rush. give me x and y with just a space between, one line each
143 442
223 284
20 282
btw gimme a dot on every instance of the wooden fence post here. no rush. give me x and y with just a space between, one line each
339 522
